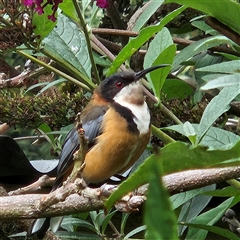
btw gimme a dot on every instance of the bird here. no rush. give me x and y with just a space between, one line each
116 122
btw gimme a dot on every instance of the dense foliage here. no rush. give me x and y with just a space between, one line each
74 44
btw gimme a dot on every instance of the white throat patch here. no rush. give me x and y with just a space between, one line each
140 112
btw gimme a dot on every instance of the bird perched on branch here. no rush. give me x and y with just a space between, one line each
116 122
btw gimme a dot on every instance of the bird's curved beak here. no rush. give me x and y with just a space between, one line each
141 74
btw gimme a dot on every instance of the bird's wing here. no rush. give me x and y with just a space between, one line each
92 127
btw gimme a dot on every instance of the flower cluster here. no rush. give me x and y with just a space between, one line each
40 6
102 3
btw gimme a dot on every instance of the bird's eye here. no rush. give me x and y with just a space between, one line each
119 84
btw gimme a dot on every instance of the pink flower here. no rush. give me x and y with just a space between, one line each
40 7
102 3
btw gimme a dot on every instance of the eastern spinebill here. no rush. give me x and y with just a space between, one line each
117 125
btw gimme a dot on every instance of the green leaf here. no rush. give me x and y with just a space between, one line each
223 81
204 27
209 218
51 84
134 231
146 14
43 26
158 210
185 157
78 235
138 178
224 67
175 88
67 44
175 157
158 77
192 208
197 47
68 8
205 60
218 230
68 223
161 41
220 10
44 129
215 138
161 50
36 85
180 198
190 132
106 220
225 192
218 105
135 43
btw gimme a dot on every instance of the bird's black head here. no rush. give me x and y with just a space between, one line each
112 85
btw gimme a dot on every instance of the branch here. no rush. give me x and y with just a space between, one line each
192 179
25 206
222 28
177 40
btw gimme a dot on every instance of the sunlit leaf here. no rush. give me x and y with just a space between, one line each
220 10
135 43
145 15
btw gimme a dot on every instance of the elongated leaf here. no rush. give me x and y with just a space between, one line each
203 61
223 81
67 43
161 41
197 47
224 67
220 10
219 231
214 138
145 15
135 43
180 198
161 51
209 218
190 132
77 235
106 220
51 84
134 231
44 128
158 77
185 158
216 108
229 191
204 27
192 208
36 85
158 210
69 222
